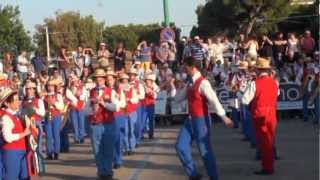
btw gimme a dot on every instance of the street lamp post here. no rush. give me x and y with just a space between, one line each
166 13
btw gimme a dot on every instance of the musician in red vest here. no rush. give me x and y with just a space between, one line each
262 95
103 104
33 106
131 113
76 95
120 120
135 83
14 135
151 90
197 128
54 105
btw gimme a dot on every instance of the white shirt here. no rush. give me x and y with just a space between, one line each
206 90
7 127
1 67
22 64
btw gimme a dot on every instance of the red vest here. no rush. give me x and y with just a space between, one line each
101 115
54 111
35 103
130 106
149 99
197 102
18 128
265 99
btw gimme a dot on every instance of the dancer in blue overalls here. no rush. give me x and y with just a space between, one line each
199 92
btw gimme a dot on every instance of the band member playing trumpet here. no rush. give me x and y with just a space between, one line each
33 106
103 103
54 105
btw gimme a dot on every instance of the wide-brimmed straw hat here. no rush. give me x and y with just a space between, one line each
123 76
5 94
150 76
263 63
243 65
99 73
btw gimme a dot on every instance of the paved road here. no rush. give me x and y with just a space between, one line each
297 143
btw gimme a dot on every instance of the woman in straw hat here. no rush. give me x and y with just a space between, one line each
103 104
54 106
262 95
151 90
33 106
14 134
131 112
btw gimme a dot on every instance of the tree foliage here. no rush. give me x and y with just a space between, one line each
13 36
232 16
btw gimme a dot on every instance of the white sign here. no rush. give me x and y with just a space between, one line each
161 102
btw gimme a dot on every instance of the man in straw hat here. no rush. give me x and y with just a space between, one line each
137 85
151 90
262 95
132 100
103 103
14 135
199 92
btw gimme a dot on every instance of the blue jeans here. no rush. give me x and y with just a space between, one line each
150 119
15 165
317 109
52 129
120 125
196 129
305 100
102 141
130 138
64 134
139 124
78 121
235 116
247 125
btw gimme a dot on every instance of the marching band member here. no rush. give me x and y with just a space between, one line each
135 83
151 90
262 95
103 103
54 106
131 112
199 92
14 134
76 96
33 106
120 120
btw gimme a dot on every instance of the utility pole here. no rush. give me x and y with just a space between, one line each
166 13
48 46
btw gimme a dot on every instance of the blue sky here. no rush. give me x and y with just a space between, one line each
112 12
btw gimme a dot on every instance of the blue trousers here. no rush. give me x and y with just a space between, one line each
102 141
52 129
120 126
1 165
15 165
40 131
139 124
130 138
247 124
235 117
197 129
317 109
305 100
150 119
78 121
64 136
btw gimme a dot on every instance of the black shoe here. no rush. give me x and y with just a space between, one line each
56 156
130 153
277 158
64 151
116 166
197 177
49 157
81 141
137 145
106 177
263 173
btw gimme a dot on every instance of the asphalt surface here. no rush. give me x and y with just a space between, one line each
297 144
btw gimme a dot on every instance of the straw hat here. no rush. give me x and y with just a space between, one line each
150 76
30 85
110 73
99 73
124 76
263 63
5 94
137 62
52 82
252 64
243 65
133 71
